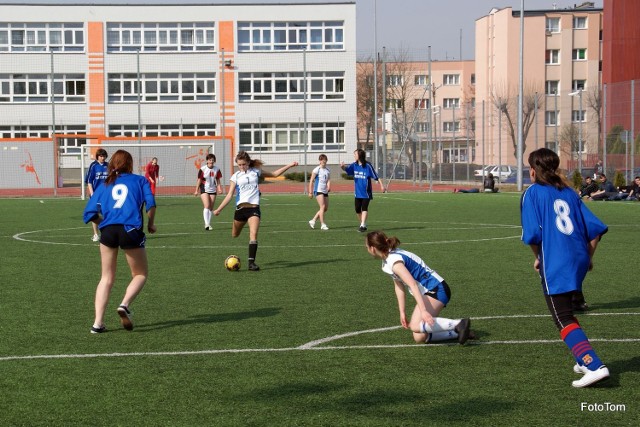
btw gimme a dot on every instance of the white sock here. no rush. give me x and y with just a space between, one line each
441 324
206 214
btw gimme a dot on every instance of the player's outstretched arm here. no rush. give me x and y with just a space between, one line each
227 199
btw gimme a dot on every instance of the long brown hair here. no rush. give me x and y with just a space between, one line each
243 155
362 156
121 162
545 163
380 241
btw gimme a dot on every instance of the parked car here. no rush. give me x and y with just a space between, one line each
513 177
500 173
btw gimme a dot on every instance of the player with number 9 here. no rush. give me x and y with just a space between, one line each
116 207
563 235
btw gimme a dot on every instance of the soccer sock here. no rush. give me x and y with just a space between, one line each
441 324
578 343
253 250
206 214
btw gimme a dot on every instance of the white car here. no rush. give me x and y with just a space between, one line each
499 172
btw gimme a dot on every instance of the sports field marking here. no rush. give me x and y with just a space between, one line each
315 345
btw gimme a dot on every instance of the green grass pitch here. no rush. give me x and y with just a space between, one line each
312 339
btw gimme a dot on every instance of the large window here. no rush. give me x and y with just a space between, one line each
395 80
550 118
422 127
421 80
579 84
164 130
41 37
271 137
395 104
325 85
553 25
162 87
451 102
309 35
579 22
421 104
160 37
451 79
552 87
552 56
578 116
37 88
451 126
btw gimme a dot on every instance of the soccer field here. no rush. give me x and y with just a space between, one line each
314 337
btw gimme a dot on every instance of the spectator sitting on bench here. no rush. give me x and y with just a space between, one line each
588 188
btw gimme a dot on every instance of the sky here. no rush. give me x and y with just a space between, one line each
400 25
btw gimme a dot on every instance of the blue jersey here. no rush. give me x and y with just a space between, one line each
362 176
96 174
560 223
121 202
427 278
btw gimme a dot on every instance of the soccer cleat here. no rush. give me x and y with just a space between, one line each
324 227
95 238
99 330
312 224
362 229
208 228
253 267
580 369
580 306
125 318
592 377
462 329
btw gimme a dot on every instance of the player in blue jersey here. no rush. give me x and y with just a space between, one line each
116 207
563 234
427 287
362 173
96 174
244 184
320 186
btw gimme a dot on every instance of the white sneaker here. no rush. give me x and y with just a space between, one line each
579 369
95 238
324 227
592 377
312 224
208 227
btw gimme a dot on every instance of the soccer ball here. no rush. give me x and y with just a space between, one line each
232 263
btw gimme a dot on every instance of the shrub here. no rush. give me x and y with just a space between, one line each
296 176
576 179
345 176
619 180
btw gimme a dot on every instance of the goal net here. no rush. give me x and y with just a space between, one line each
178 161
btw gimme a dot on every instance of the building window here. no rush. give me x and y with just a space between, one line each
553 25
578 116
552 56
451 79
451 126
579 22
578 85
395 80
550 118
421 80
270 36
422 127
451 103
473 78
552 87
273 137
394 104
42 37
421 104
37 88
208 129
162 87
327 85
160 37
579 54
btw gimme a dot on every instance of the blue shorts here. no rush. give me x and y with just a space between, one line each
114 236
441 292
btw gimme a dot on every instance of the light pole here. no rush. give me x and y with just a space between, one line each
579 94
436 113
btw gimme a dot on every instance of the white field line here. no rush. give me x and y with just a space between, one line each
315 345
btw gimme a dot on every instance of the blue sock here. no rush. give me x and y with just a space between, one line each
578 343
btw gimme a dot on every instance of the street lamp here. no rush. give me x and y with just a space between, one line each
436 113
579 94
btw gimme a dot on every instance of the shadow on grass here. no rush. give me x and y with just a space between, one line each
633 302
210 318
617 368
294 264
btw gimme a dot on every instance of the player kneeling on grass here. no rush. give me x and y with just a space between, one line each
430 291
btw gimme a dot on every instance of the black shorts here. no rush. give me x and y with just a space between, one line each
243 214
114 236
315 193
362 205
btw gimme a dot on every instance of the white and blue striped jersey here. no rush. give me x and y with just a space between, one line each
562 225
321 180
247 189
427 278
121 202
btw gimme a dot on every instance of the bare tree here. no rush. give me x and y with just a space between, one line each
594 101
505 100
365 100
569 139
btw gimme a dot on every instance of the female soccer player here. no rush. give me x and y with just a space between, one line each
321 182
362 173
245 182
208 186
116 207
96 174
152 173
428 288
563 234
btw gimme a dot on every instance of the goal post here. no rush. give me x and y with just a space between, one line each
179 161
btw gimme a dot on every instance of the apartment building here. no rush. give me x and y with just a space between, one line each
257 74
562 78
